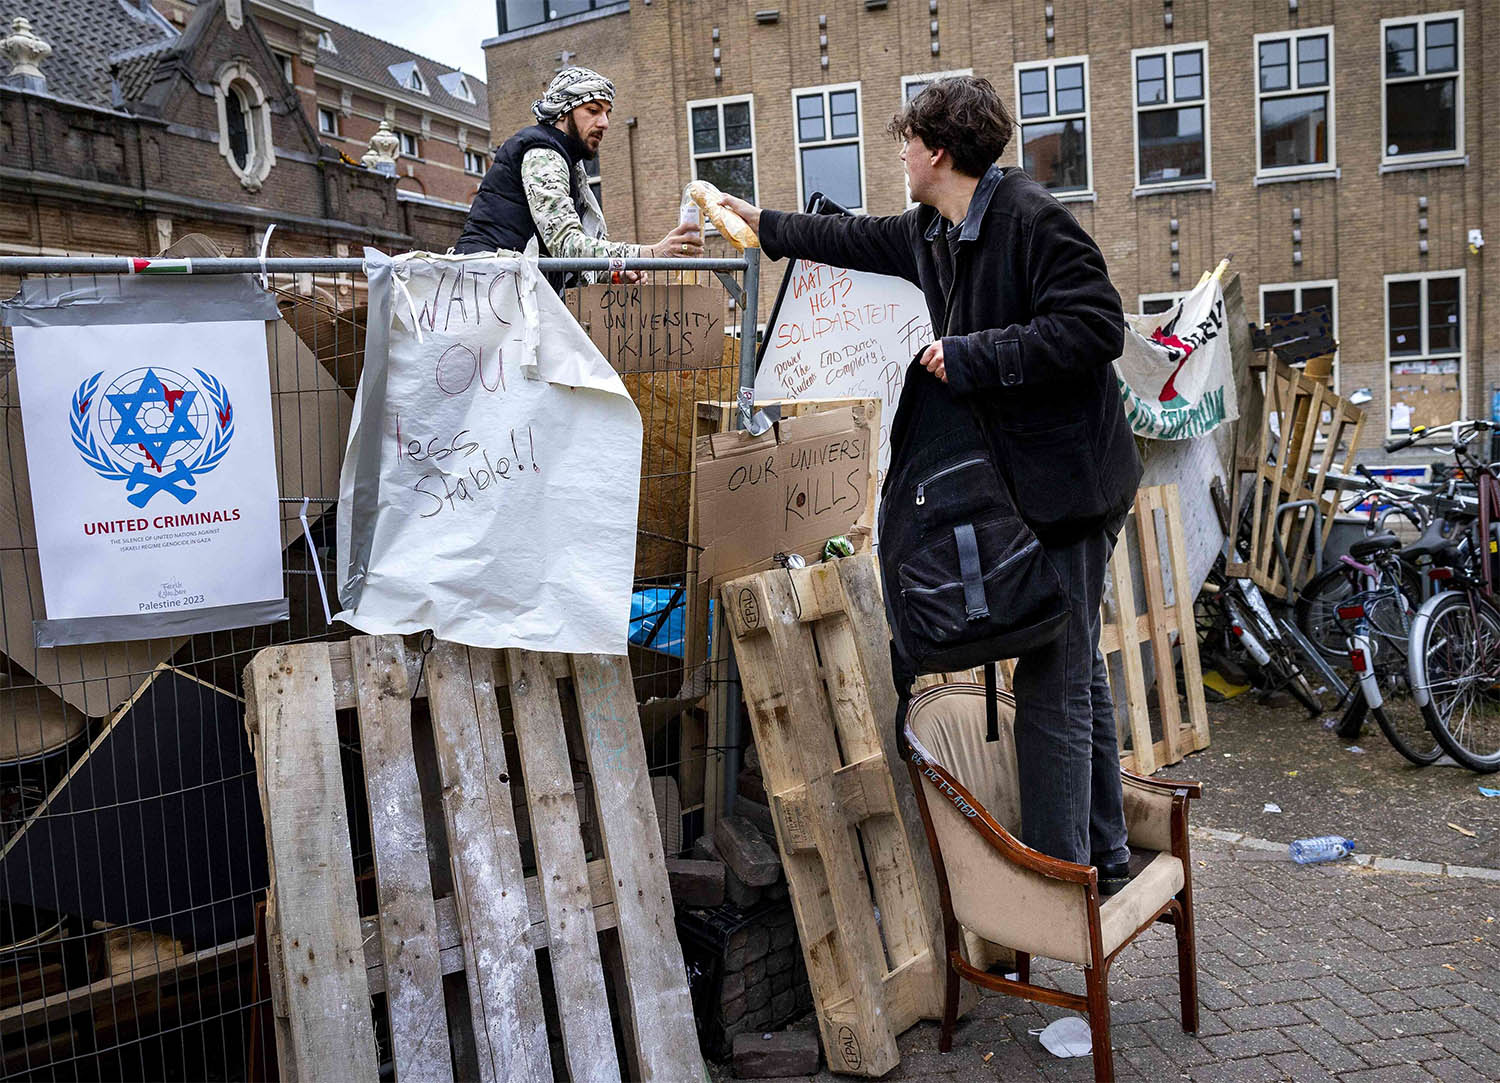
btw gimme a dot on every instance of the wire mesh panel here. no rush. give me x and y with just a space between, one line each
132 853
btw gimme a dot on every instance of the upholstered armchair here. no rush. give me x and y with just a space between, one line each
993 885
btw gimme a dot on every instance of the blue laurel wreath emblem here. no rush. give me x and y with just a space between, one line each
143 484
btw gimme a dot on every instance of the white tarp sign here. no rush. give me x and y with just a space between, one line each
844 334
1176 373
489 488
150 451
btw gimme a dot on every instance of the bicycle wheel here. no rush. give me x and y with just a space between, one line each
1317 616
1405 727
1458 660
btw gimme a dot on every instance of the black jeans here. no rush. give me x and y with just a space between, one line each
1066 745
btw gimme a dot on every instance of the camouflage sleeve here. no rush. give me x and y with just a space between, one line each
544 176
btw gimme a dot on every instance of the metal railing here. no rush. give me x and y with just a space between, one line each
139 1000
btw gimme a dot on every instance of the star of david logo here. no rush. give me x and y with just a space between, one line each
154 417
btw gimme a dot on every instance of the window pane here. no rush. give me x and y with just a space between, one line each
1275 65
1443 330
1319 297
1277 303
737 135
733 173
235 120
1069 83
810 118
1187 76
1155 305
913 89
1150 80
558 9
1404 317
520 13
705 129
1401 50
1442 46
834 171
1421 116
1312 61
1172 145
1293 131
845 109
1034 101
1056 154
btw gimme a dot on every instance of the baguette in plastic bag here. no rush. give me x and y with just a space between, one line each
731 225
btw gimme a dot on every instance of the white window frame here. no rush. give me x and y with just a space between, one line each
471 156
1293 90
1331 284
237 76
1172 296
462 91
1068 195
285 60
332 113
1421 22
928 77
719 103
325 42
859 140
1426 355
414 81
402 135
1171 103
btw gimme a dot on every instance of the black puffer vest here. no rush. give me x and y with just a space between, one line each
499 217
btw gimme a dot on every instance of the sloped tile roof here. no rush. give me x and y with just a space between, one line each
370 59
85 35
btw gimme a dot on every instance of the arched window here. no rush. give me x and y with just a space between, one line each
245 135
237 124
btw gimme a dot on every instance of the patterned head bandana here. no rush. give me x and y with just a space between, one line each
569 89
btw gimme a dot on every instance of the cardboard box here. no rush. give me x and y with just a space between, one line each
807 479
653 328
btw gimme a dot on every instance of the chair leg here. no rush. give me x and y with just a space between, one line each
950 1010
1096 980
1023 966
1187 965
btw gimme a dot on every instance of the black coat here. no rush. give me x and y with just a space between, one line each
1031 326
500 217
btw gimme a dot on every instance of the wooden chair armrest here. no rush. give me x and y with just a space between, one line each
1194 789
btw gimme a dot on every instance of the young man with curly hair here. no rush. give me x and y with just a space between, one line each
1032 326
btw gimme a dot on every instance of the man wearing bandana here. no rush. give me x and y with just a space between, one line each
538 186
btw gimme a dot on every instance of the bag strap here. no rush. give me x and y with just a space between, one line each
991 707
975 605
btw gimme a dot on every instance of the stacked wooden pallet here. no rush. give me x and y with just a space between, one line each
500 721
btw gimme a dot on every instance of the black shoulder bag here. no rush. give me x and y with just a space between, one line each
966 581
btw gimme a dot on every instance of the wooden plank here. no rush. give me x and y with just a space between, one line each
862 791
1147 502
655 988
505 996
865 605
577 971
342 663
1187 630
789 714
328 1032
408 916
1127 642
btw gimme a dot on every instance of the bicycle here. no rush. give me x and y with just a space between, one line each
1455 637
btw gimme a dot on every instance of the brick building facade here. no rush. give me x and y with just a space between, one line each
349 81
135 133
1177 132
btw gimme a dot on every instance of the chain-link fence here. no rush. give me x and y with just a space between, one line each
132 863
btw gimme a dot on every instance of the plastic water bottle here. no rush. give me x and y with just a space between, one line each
1323 848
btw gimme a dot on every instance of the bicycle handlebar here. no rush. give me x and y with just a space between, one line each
1467 429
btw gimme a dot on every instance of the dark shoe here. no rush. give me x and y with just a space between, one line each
1113 878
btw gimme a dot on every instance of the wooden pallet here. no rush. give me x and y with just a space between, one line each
814 662
1125 629
325 963
701 786
1301 474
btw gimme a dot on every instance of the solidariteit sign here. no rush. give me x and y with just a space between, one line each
149 448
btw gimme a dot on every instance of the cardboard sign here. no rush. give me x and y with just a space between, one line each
843 334
644 328
789 490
